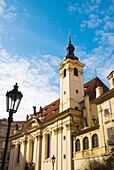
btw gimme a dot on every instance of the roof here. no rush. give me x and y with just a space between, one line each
110 75
89 87
52 109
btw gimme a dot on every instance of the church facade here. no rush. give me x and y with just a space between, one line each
73 129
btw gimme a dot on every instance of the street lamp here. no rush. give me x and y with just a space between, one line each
13 99
53 161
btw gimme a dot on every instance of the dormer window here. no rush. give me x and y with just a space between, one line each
64 74
75 71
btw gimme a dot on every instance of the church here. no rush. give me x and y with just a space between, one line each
71 131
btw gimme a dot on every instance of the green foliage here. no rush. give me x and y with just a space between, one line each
97 164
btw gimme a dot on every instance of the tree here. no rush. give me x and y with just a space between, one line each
104 164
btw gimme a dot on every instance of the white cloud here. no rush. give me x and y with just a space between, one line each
7 12
92 22
36 80
2 7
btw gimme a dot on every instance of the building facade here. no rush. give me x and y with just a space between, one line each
3 129
74 128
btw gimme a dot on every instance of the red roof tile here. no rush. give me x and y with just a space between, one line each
89 87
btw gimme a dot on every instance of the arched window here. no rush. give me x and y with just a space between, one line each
85 143
18 152
77 145
75 71
95 142
64 74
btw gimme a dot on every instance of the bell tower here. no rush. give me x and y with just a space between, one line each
71 80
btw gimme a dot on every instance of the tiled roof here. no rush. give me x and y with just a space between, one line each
52 109
89 87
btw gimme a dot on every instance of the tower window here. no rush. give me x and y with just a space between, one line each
75 71
76 91
64 74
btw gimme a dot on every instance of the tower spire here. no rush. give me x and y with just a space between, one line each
70 49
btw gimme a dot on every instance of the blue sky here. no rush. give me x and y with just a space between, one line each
33 39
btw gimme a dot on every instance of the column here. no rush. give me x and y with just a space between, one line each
38 152
24 153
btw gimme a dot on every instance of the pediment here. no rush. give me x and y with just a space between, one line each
30 124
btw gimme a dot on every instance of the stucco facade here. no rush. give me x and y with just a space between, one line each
61 128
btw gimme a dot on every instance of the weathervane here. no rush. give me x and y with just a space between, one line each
69 36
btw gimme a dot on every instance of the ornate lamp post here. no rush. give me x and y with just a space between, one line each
13 99
53 161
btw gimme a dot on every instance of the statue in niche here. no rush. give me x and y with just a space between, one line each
85 121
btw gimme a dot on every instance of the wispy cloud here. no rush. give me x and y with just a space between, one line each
36 79
7 12
2 7
92 22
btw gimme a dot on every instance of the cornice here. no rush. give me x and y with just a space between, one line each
58 130
83 131
70 126
104 97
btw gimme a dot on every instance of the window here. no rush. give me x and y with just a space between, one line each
110 136
48 142
64 74
77 145
75 71
18 152
76 108
106 109
85 143
95 142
